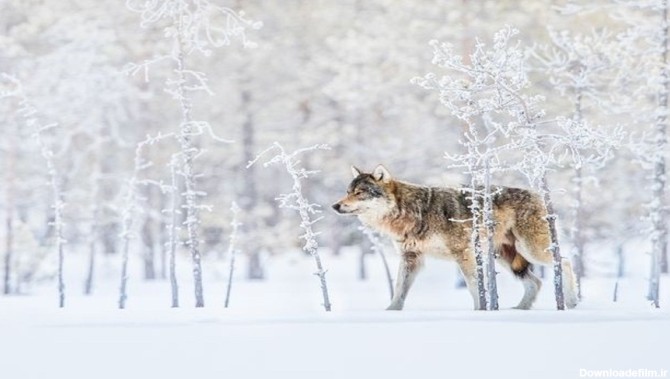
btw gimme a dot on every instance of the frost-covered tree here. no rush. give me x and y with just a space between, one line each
378 247
64 57
232 250
173 229
131 201
494 85
582 67
32 121
647 73
193 26
296 200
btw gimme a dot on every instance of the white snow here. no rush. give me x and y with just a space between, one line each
277 328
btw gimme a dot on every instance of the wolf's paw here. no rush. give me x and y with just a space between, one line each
522 306
394 307
571 302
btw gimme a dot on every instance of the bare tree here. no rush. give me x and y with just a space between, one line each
378 247
493 86
131 206
296 200
232 249
172 231
648 76
581 67
30 116
193 28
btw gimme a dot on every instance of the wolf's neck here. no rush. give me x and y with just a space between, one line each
404 216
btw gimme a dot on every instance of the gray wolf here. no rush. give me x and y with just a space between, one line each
432 221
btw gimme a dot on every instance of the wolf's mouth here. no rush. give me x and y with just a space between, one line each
341 210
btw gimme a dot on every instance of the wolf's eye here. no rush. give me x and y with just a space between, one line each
359 192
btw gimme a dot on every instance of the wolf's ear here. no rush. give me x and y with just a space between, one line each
355 171
381 174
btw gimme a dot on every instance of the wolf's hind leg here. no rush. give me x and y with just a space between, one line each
520 267
410 265
534 249
569 284
531 287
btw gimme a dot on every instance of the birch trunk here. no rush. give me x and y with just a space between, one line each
174 286
249 197
9 237
10 176
188 152
58 231
379 249
476 243
231 251
58 204
554 248
576 230
310 245
93 232
489 223
127 225
658 213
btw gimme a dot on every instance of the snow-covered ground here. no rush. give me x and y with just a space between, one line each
276 329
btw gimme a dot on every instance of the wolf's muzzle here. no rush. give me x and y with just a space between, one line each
337 207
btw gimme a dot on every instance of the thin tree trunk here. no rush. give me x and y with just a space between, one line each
127 229
362 271
174 286
231 271
88 283
10 176
249 195
554 247
576 230
9 237
164 237
232 250
128 215
188 152
662 122
58 204
658 213
475 241
58 220
149 251
312 247
379 249
93 232
387 271
492 284
621 263
148 238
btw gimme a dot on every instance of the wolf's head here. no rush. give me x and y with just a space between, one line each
369 195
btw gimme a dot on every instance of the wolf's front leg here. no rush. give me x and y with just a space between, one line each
410 265
466 264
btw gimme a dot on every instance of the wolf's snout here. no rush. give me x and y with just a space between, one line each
337 207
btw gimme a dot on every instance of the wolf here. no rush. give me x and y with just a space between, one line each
436 221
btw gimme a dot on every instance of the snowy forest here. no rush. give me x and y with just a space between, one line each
165 156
